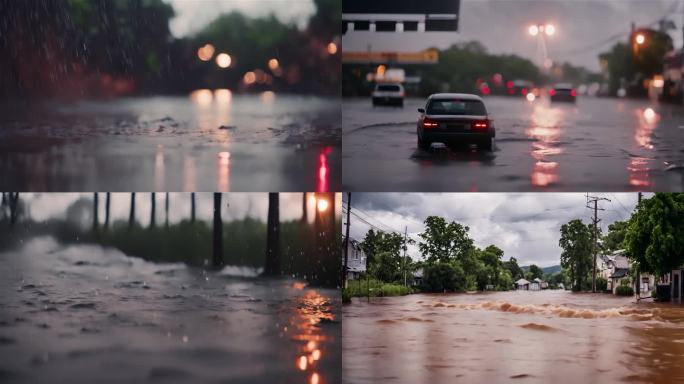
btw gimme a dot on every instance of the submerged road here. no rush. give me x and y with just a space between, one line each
596 144
208 141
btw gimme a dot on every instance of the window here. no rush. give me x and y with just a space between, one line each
456 107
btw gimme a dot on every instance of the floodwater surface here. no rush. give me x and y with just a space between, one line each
86 313
208 141
526 337
596 144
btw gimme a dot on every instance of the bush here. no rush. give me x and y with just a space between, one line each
440 277
601 284
624 290
346 296
359 288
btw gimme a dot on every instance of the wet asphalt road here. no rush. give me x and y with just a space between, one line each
202 142
597 144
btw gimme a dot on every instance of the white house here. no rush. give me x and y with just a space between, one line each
522 285
356 259
616 267
538 284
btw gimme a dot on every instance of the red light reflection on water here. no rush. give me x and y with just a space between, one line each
323 170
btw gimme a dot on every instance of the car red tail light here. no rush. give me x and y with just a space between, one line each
524 91
552 92
481 124
427 123
573 93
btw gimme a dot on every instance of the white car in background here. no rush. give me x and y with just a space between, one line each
388 94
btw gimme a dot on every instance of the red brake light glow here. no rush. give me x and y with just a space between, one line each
573 93
524 91
481 124
552 92
427 123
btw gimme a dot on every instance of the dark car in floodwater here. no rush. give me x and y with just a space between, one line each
563 92
454 119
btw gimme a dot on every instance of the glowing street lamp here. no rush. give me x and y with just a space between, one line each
640 38
533 30
550 29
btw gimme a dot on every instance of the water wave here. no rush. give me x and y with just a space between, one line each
558 310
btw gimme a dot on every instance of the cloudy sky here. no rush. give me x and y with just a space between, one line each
193 15
501 25
526 226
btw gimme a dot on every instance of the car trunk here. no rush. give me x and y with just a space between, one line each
456 123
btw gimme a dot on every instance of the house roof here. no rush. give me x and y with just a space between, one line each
619 272
522 282
538 280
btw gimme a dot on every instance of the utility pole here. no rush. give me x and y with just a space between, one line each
637 283
405 234
346 242
596 220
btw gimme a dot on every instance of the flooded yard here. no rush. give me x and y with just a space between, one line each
536 337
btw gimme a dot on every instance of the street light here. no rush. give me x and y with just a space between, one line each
533 30
550 29
640 38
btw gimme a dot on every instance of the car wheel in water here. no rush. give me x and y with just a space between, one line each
424 145
486 144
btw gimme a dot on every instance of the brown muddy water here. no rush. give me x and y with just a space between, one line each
549 336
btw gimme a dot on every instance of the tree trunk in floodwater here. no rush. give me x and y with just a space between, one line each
106 223
96 206
304 208
13 206
131 215
153 209
192 207
166 210
218 232
272 266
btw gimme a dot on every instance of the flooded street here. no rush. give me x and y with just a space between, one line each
597 144
208 141
86 313
536 337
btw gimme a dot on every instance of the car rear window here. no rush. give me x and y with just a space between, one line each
456 107
388 88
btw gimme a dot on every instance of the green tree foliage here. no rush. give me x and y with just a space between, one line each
535 272
384 255
473 62
444 242
514 269
655 236
601 284
441 277
576 256
615 238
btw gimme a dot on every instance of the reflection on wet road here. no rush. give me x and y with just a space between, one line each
538 337
78 311
597 144
209 141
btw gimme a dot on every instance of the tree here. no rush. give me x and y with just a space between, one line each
513 268
576 256
272 267
615 238
444 242
386 267
655 235
378 242
441 277
535 272
217 259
